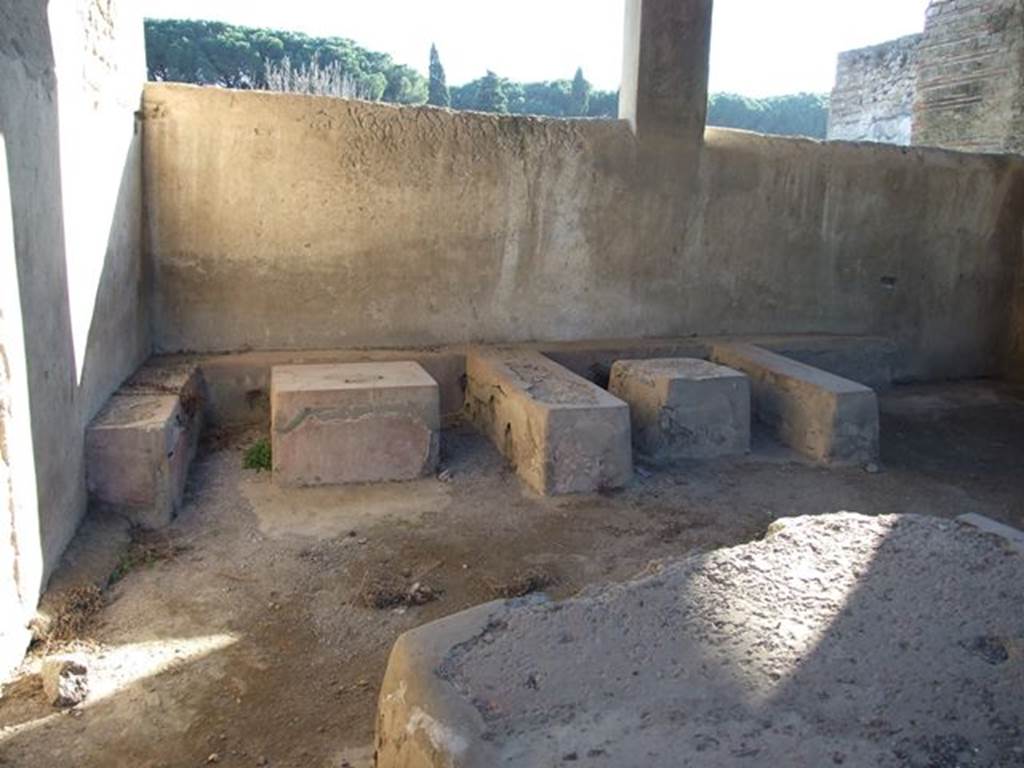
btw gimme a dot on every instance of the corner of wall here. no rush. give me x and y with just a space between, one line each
68 97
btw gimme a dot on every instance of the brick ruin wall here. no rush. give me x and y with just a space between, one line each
969 78
874 95
956 86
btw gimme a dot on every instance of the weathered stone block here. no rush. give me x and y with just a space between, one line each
353 423
562 433
65 681
684 408
138 451
827 418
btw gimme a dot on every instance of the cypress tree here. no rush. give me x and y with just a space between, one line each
580 101
439 94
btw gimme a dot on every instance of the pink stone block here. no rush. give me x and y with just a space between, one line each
138 451
353 423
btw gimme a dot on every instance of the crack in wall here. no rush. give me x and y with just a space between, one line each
349 414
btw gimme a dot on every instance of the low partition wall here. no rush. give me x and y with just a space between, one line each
292 222
238 385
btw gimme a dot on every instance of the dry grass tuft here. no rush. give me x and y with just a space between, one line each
72 616
382 592
524 583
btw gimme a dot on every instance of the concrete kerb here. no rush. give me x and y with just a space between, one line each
827 418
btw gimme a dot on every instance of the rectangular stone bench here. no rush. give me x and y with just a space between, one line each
562 433
353 423
139 448
827 418
684 408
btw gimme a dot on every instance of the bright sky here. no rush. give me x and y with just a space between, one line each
760 47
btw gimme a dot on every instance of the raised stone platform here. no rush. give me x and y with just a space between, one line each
684 408
562 433
353 423
827 418
139 448
837 640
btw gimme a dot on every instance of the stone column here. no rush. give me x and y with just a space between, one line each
665 71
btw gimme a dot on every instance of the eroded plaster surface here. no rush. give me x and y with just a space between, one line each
286 221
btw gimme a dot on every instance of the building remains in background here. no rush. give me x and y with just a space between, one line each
873 99
958 85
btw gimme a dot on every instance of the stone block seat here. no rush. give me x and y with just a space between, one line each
562 433
139 447
684 408
353 423
827 418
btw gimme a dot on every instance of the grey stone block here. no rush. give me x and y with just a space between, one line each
683 408
827 418
562 433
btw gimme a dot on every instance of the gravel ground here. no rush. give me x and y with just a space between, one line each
250 641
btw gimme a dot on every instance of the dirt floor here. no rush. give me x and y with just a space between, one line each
256 631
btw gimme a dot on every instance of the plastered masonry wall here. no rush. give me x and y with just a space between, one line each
75 320
278 222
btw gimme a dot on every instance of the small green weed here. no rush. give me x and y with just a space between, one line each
145 549
258 456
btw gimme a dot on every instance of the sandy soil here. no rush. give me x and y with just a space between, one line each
251 644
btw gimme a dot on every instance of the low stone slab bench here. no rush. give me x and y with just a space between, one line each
684 408
562 433
353 423
765 654
827 418
139 448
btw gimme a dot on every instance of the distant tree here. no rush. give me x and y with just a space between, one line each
579 104
604 104
438 94
405 86
491 95
549 99
802 114
212 53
